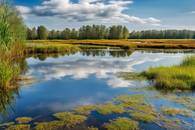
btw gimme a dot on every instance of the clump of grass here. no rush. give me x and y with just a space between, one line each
19 127
130 76
85 110
53 125
8 74
70 119
145 117
175 111
180 77
109 108
122 124
23 120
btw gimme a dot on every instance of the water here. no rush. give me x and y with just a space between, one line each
88 77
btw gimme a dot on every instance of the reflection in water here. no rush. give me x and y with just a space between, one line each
87 77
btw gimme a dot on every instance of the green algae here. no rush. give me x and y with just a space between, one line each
122 124
92 128
23 120
85 110
19 127
69 118
109 108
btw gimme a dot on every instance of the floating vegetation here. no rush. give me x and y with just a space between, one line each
85 110
23 120
92 128
70 119
19 127
145 117
175 111
53 125
122 124
109 108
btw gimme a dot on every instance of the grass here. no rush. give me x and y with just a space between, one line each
70 119
51 48
145 117
23 120
180 77
53 125
128 44
122 124
8 74
109 108
175 111
19 127
85 110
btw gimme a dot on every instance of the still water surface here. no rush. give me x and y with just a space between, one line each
88 77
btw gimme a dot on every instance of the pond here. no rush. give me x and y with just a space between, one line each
90 77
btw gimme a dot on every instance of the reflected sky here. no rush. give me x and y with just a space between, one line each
69 81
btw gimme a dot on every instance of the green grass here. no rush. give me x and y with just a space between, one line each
122 124
109 108
8 74
19 127
175 111
50 48
180 77
23 120
70 119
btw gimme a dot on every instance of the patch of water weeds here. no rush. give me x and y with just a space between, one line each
134 107
175 111
122 124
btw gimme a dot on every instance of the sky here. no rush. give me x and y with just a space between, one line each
135 14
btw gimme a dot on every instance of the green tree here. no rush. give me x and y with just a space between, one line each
42 33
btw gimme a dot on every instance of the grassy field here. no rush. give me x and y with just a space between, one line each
180 77
127 44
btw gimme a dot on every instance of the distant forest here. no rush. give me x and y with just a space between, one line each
103 32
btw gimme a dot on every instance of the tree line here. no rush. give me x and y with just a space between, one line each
162 34
103 32
84 32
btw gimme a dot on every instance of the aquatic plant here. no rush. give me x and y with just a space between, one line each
85 110
145 117
92 128
175 111
8 74
69 118
23 120
180 77
109 108
122 124
53 125
19 127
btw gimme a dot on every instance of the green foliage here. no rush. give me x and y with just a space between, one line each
70 119
19 127
8 73
109 108
146 117
42 33
53 125
23 120
175 111
122 124
85 110
163 34
176 77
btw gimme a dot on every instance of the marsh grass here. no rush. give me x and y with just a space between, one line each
51 48
180 77
175 111
23 120
19 127
70 119
122 124
109 108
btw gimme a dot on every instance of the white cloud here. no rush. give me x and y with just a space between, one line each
192 12
87 10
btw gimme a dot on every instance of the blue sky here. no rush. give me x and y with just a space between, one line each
136 14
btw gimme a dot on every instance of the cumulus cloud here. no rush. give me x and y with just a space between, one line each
87 10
